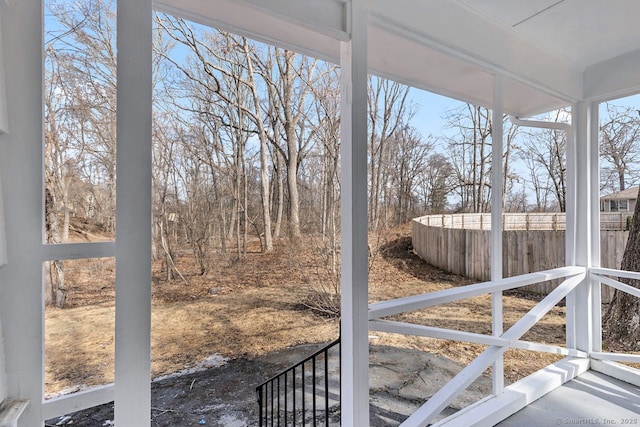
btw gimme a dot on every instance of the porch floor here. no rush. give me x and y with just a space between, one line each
588 400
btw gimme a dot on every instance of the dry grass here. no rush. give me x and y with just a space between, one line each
255 306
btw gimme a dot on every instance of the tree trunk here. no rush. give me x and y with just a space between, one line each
289 124
280 201
264 161
56 268
622 320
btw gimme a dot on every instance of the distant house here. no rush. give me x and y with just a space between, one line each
622 201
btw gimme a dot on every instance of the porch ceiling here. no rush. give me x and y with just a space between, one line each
550 52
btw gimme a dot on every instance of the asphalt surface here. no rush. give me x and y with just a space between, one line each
401 380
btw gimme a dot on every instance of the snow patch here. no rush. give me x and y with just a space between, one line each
63 420
108 423
213 361
230 420
210 408
67 391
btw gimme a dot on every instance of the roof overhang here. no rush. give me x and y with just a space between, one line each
456 47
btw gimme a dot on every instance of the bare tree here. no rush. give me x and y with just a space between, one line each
544 153
388 112
166 198
327 96
620 152
410 155
289 78
56 182
87 44
621 321
224 66
470 156
435 184
619 148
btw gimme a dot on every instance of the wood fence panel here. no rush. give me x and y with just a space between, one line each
468 252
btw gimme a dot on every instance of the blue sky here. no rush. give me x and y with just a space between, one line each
432 108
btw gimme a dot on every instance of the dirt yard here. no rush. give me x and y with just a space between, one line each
243 310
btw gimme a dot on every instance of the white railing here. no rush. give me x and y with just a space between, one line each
511 338
607 276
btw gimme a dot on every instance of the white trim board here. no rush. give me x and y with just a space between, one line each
518 395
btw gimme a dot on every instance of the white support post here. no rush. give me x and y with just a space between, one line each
594 178
4 121
581 303
21 159
497 183
570 229
354 275
133 215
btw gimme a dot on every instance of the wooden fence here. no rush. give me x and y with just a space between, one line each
467 251
524 221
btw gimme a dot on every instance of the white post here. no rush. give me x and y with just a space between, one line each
4 124
4 127
594 178
354 275
21 160
3 234
497 136
570 224
133 215
579 308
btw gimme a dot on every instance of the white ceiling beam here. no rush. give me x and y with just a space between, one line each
454 30
278 22
327 17
613 78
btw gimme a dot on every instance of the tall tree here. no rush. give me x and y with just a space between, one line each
327 131
389 110
224 89
544 153
289 78
619 148
410 155
622 319
470 156
87 43
435 184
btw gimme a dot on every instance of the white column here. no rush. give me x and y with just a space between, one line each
133 215
594 180
580 306
4 123
354 276
570 231
21 301
3 233
497 144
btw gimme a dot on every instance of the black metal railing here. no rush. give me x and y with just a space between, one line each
303 394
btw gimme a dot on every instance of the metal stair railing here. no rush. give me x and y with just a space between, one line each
291 398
